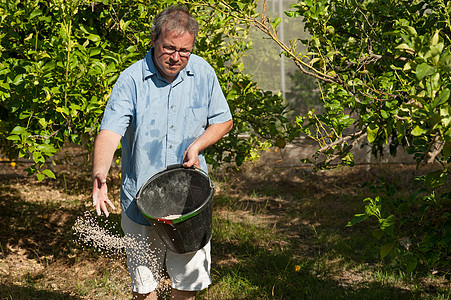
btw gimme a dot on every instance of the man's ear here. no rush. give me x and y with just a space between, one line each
152 38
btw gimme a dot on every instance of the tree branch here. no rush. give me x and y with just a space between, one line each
358 134
436 147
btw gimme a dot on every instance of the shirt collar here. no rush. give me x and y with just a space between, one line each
149 68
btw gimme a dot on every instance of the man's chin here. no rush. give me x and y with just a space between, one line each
172 73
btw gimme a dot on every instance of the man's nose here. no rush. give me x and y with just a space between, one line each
175 56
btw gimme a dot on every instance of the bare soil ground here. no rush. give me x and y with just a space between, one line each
40 260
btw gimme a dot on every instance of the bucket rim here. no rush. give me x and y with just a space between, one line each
182 217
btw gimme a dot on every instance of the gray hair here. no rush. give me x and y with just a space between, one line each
175 18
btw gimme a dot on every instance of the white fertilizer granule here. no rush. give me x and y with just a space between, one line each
172 217
89 233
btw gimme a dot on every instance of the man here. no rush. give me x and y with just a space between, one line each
166 108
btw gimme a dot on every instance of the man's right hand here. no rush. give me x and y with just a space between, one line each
100 196
104 146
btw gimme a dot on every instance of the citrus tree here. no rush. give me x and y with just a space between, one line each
384 75
60 59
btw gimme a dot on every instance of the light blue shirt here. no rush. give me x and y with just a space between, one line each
158 120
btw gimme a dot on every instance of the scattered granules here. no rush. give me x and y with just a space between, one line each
172 217
89 233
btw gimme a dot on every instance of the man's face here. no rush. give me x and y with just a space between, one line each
169 65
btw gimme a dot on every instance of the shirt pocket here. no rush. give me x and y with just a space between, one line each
195 121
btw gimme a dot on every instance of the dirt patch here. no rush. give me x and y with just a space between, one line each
293 207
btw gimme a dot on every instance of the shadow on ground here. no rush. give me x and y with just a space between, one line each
301 214
29 293
311 211
39 258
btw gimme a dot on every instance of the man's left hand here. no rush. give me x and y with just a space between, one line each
191 158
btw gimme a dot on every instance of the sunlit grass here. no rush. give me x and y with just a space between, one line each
279 243
274 237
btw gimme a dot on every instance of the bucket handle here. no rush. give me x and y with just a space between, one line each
176 166
182 218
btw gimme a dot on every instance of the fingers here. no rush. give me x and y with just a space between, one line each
100 197
102 207
191 158
197 164
97 206
188 164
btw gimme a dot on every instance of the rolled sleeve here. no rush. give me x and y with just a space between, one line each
218 110
119 110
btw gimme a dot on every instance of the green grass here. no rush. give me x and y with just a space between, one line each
277 234
279 240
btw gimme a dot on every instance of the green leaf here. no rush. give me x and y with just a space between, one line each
38 158
18 79
232 94
94 51
292 14
410 30
409 65
387 224
356 219
436 178
40 176
442 97
445 61
13 138
385 114
411 264
46 148
417 131
424 70
386 249
49 173
62 110
371 210
18 130
315 41
372 131
435 38
36 12
378 234
276 22
94 37
346 121
405 47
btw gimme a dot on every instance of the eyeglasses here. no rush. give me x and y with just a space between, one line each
172 50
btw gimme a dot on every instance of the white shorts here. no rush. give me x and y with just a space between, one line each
147 256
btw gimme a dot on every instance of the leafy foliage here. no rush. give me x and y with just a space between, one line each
59 60
412 229
387 67
383 69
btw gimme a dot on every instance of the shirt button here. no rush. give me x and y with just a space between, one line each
172 106
172 126
170 146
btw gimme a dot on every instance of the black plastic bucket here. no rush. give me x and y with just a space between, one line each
178 202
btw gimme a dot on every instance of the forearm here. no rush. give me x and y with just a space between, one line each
105 145
211 135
